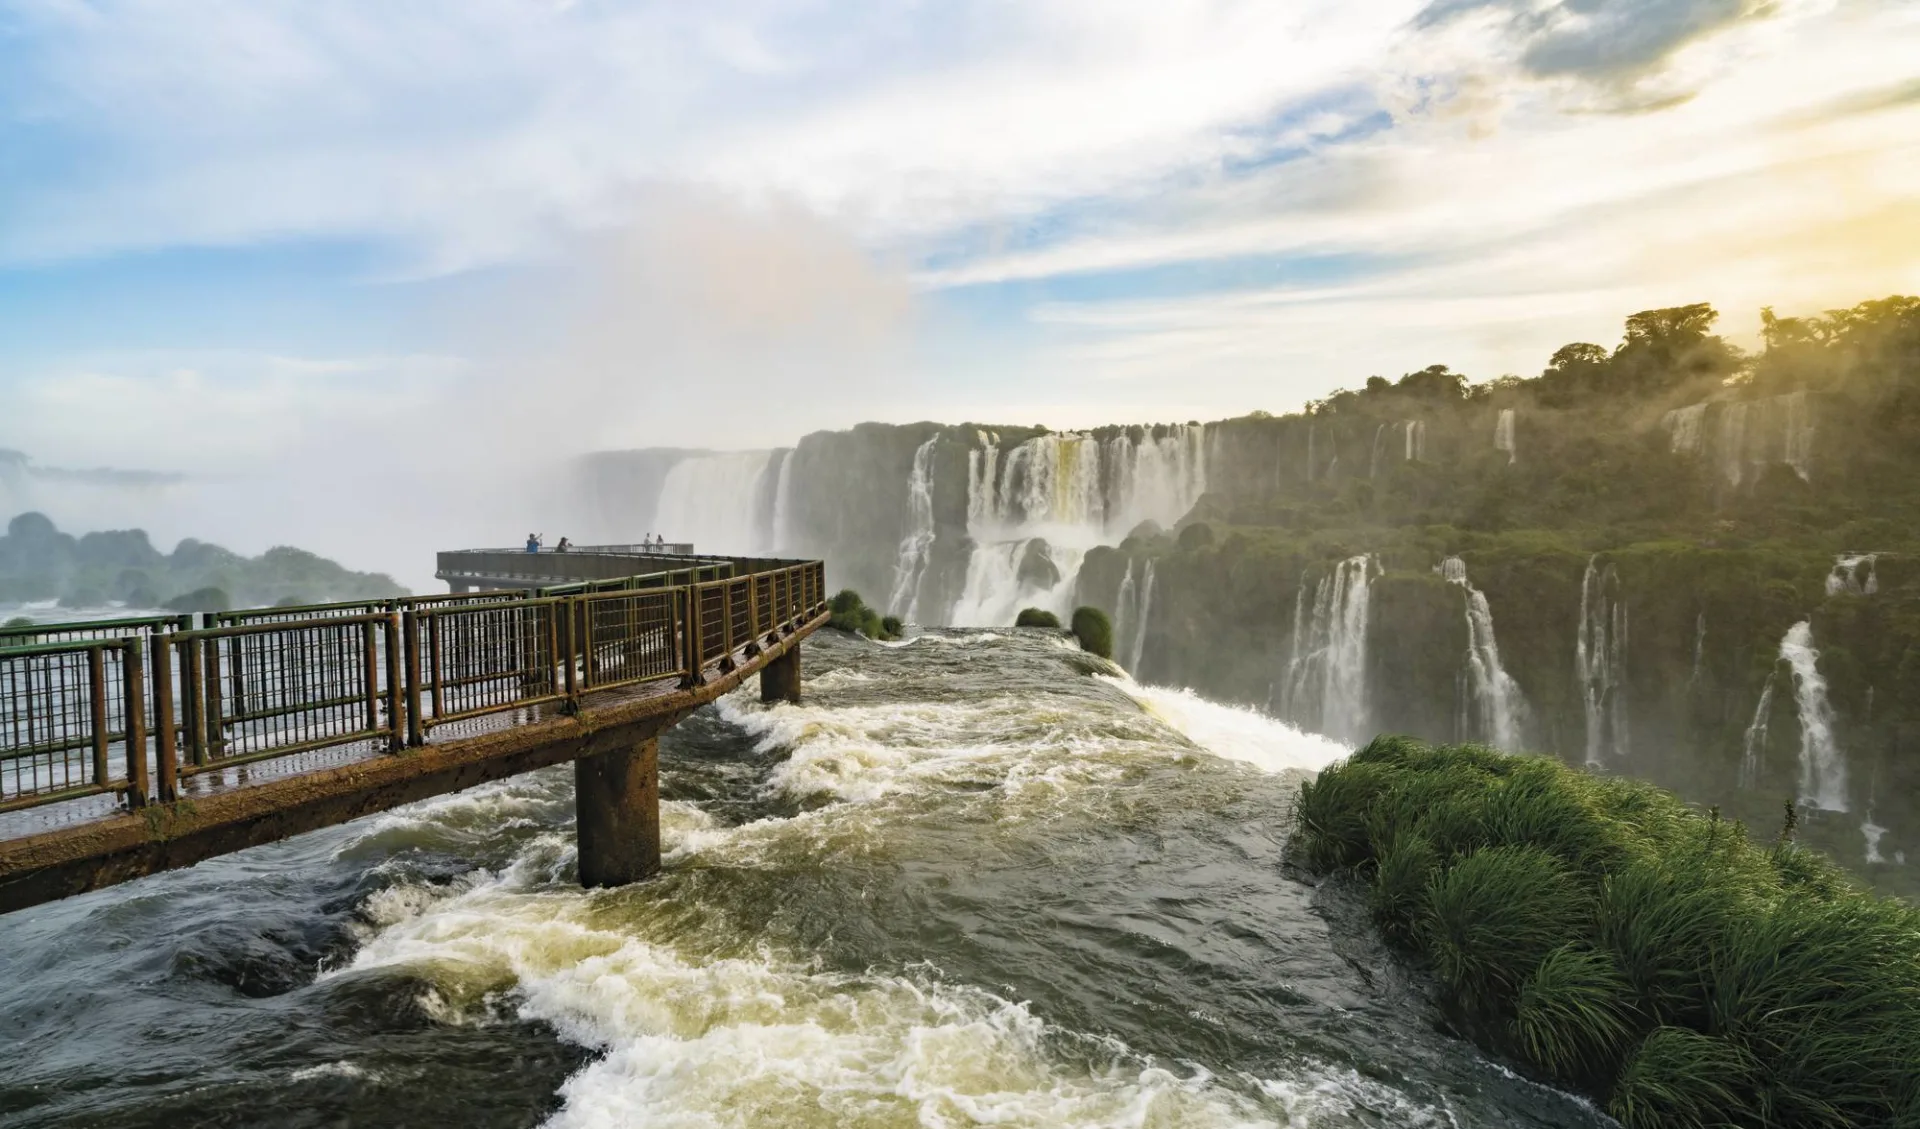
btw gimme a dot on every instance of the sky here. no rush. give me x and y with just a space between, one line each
238 236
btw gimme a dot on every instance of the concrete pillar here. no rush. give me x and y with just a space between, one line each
780 679
458 588
617 800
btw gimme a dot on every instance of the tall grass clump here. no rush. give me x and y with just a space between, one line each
1619 942
849 613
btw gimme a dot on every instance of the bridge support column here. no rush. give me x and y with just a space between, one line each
617 800
780 679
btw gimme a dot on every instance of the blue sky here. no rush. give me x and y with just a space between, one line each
272 221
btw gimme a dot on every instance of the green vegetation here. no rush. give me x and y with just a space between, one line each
38 562
1094 630
851 614
1036 617
17 621
1619 942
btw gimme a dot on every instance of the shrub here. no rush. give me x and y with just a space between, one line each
1614 940
1094 630
1036 617
17 621
851 614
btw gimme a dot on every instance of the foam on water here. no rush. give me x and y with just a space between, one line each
1233 733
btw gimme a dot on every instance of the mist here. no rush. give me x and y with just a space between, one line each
700 321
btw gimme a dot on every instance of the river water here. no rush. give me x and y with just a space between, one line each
966 882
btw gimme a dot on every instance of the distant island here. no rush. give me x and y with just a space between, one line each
38 563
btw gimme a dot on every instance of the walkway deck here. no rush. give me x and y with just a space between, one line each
280 721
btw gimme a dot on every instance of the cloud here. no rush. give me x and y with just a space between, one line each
1604 40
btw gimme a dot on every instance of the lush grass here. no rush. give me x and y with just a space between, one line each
1036 617
1621 943
1094 630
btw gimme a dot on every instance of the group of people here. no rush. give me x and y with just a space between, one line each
650 541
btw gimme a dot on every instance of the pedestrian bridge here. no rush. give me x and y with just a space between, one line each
134 746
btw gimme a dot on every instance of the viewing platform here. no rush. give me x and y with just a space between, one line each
480 570
133 746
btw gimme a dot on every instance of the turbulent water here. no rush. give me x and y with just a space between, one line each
965 883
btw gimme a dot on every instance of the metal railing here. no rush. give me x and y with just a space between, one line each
136 715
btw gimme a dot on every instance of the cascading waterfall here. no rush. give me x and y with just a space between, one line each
1798 444
714 501
1379 441
1846 576
1699 648
915 547
783 505
1135 605
1073 492
1753 748
1415 434
1146 617
1683 428
1732 442
1600 662
1500 709
1503 437
1823 769
1326 686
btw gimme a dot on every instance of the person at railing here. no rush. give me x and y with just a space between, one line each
533 542
563 546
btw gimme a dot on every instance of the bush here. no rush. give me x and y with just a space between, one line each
1036 617
17 621
1094 630
851 614
1616 941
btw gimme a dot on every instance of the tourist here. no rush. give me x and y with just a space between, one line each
563 546
533 542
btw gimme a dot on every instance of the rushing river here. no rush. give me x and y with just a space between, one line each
964 883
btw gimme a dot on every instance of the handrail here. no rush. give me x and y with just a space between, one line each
261 683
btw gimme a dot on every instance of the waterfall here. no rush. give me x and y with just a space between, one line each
1379 435
1146 617
915 546
1073 491
1732 442
1699 648
713 501
1600 662
1500 709
1503 435
1797 448
1753 748
995 592
1326 687
1823 770
1135 605
1846 577
1683 428
783 505
1414 432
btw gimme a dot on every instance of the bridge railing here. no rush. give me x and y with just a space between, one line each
90 716
72 722
92 630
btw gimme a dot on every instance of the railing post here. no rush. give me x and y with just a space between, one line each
396 726
97 695
216 725
433 664
167 755
370 665
193 689
134 668
564 613
411 641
